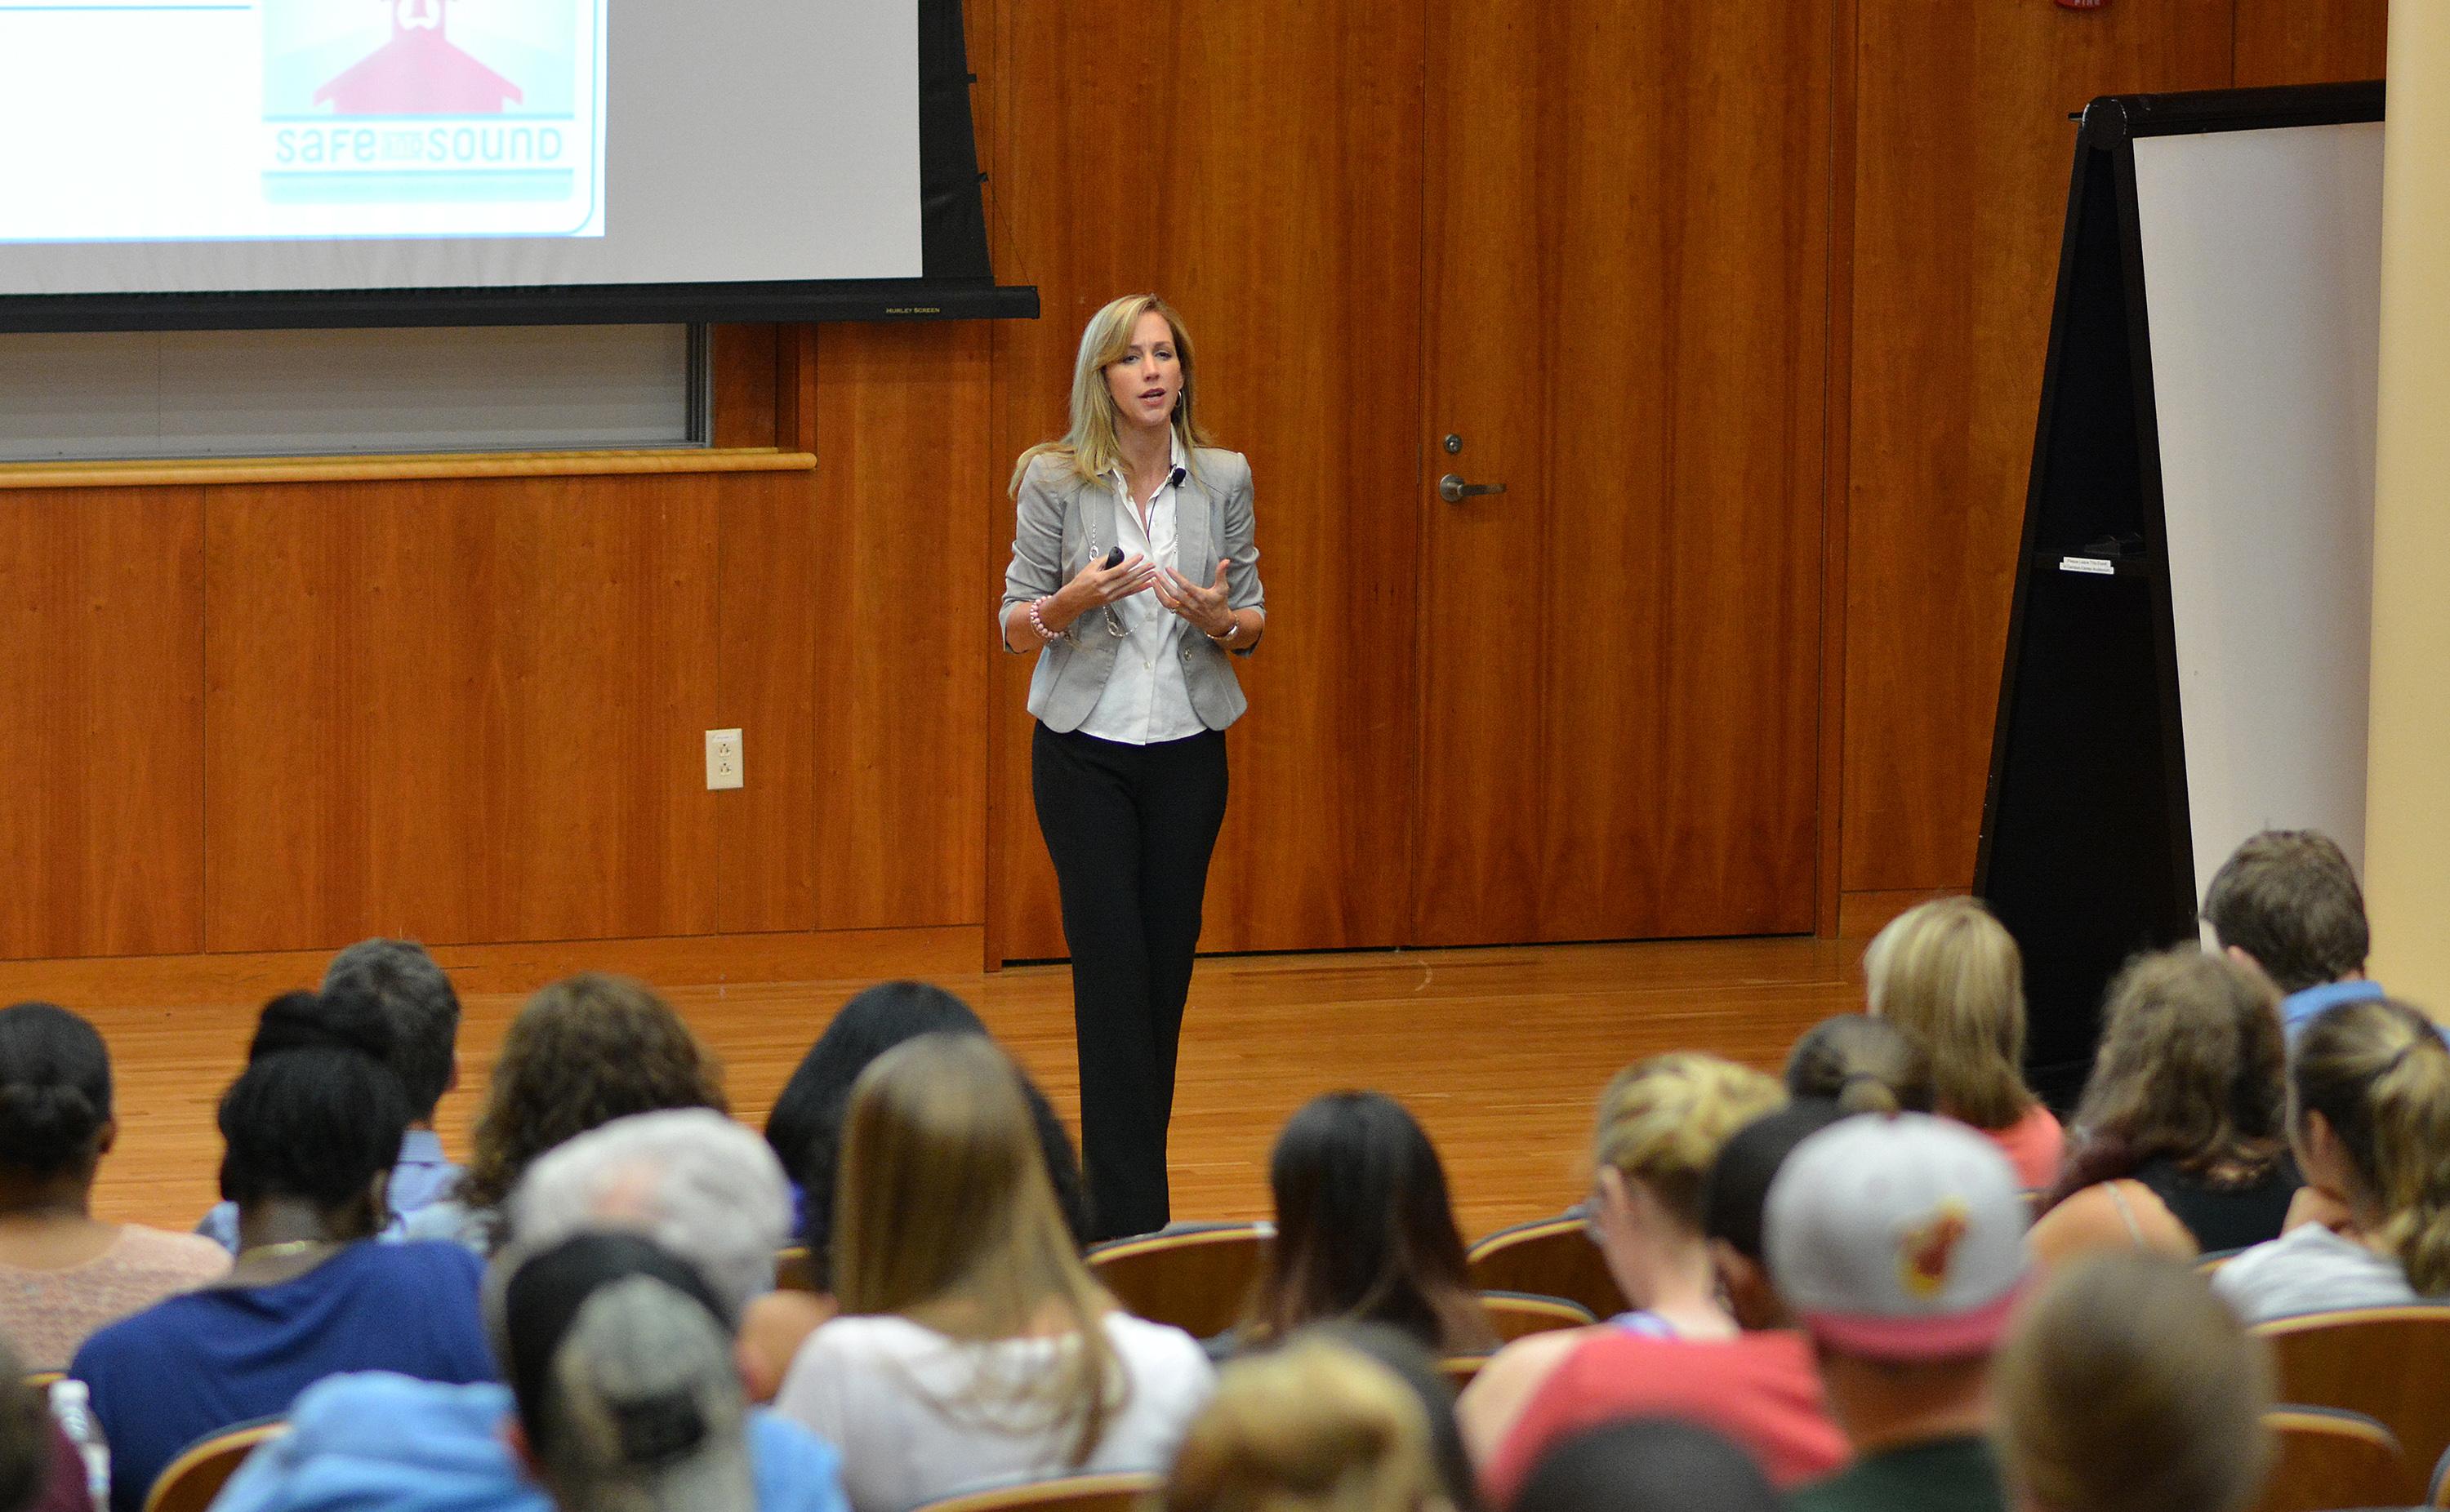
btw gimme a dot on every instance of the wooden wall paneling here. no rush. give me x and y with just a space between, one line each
903 610
765 686
1829 851
100 721
2310 41
1625 314
1961 152
460 712
1276 201
744 366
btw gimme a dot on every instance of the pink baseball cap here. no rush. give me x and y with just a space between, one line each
1899 1237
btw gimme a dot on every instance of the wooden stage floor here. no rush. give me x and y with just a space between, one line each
1499 1053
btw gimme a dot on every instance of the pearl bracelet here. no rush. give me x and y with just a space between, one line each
1038 625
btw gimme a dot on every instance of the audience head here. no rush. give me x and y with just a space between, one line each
1364 1229
1736 1198
1312 1426
805 1126
2369 1113
620 1361
1950 975
583 1052
945 1214
55 1117
25 1436
423 1011
2188 1068
1420 1371
2128 1387
315 1119
1863 1064
1649 1464
2288 899
699 1184
1661 1122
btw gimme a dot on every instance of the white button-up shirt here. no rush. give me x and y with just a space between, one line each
1146 699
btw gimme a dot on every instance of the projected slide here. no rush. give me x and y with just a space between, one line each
263 120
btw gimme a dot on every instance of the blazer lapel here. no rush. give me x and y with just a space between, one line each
1195 553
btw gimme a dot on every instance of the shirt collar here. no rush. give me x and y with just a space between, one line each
2298 1007
1181 465
420 1147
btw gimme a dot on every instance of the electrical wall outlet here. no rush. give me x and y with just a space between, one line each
722 759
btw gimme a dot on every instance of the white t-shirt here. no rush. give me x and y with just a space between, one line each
2309 1270
898 1400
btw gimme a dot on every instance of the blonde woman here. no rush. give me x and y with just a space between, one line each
2127 1387
974 1348
1135 577
2369 1118
1313 1426
1950 975
1660 1124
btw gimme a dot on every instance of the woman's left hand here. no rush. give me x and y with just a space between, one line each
1203 606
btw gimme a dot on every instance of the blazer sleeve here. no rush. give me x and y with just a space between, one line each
1242 588
1036 566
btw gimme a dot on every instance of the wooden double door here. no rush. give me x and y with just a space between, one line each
1585 260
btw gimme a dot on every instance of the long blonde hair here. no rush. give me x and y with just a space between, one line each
2379 1074
1947 974
1312 1426
944 1215
2128 1387
1091 445
1661 1121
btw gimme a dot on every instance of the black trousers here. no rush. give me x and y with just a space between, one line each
1130 829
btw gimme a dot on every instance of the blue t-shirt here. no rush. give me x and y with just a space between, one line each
197 1364
377 1440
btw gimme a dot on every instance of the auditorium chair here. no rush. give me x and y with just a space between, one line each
41 1381
2389 1363
792 1271
2324 1459
1198 1277
1072 1493
190 1483
1460 1368
1549 1257
1513 1314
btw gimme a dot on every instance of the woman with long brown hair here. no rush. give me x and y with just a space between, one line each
2178 1146
974 1347
2369 1118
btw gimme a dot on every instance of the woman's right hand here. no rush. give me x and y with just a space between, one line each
1097 585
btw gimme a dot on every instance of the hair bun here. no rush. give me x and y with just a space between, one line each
45 1126
333 1020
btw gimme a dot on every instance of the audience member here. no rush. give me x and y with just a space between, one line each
979 1349
1418 1370
418 1001
310 1128
1759 1388
2127 1387
2179 1145
1365 1231
805 1127
698 1186
1654 1464
64 1273
1312 1426
1661 1122
1863 1064
40 1470
2287 902
1947 974
584 1051
1899 1243
2369 1117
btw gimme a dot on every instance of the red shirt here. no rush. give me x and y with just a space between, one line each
2032 1143
1760 1389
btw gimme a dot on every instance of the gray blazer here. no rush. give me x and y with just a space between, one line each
1064 523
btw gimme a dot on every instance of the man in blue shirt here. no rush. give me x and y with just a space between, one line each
423 1011
2287 902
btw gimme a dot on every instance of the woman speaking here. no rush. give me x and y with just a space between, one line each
1135 577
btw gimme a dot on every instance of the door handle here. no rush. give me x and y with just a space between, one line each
1453 489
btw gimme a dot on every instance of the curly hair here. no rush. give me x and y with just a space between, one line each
584 1051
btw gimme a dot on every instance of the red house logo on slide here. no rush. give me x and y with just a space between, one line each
417 73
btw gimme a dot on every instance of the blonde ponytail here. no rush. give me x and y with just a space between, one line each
2379 1073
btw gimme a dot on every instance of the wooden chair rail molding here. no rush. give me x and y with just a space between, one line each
190 471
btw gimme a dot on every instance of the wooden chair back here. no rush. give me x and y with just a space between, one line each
41 1381
1552 1257
1513 1314
1074 1493
190 1483
1197 1279
792 1271
2392 1364
1460 1368
2326 1458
